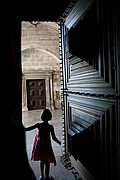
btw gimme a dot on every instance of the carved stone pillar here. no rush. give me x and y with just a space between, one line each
47 92
24 95
51 93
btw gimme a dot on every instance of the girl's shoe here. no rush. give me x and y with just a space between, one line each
51 178
40 178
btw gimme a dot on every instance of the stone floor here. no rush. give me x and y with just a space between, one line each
59 172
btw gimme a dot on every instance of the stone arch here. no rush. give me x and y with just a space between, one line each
38 47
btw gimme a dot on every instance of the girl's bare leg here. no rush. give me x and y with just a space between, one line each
42 169
47 170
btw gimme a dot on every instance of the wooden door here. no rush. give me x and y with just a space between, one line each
91 89
36 95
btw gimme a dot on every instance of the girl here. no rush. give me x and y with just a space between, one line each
44 151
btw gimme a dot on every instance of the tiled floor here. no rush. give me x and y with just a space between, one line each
59 172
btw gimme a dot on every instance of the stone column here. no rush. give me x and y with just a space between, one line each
51 93
24 95
47 92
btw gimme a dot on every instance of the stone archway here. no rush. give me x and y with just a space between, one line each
49 88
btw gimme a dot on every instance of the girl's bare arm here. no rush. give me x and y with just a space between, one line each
54 136
31 127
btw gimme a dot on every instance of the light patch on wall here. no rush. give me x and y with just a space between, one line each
57 95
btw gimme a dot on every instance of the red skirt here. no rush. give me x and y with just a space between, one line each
35 151
47 156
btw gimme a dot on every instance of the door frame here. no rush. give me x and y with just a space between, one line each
32 75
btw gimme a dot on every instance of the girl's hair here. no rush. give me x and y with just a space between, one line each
46 115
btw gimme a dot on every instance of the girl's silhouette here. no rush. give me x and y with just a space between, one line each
44 151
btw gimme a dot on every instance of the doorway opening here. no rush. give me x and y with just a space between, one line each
40 56
41 80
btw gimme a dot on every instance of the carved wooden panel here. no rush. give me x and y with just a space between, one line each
93 117
91 88
36 94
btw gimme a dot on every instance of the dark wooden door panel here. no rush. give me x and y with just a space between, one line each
36 95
